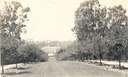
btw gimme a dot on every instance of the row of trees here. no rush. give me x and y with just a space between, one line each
53 43
67 53
101 32
13 18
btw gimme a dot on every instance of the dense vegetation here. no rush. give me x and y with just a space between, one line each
30 52
13 18
102 33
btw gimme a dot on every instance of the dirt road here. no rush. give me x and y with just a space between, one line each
54 68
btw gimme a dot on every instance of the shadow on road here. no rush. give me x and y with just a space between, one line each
21 68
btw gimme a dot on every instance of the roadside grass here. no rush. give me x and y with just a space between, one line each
22 69
110 67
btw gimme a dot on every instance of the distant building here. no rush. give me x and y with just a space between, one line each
50 50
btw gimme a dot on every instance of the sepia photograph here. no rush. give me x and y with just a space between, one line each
63 38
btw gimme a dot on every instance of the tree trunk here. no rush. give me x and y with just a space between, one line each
2 66
16 65
2 63
82 57
119 64
100 58
100 61
90 60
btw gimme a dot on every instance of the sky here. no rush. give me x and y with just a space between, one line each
54 19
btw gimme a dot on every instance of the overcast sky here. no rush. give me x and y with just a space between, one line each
53 19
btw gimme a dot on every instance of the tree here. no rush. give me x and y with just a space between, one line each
119 52
13 18
30 52
91 22
118 30
70 52
126 52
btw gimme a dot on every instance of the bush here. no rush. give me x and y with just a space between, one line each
31 53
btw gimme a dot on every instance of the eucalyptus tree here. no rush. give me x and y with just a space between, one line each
13 20
91 22
118 30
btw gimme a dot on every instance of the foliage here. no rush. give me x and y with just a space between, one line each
31 53
69 52
13 18
99 30
12 23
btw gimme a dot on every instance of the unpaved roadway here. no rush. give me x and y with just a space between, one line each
54 68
